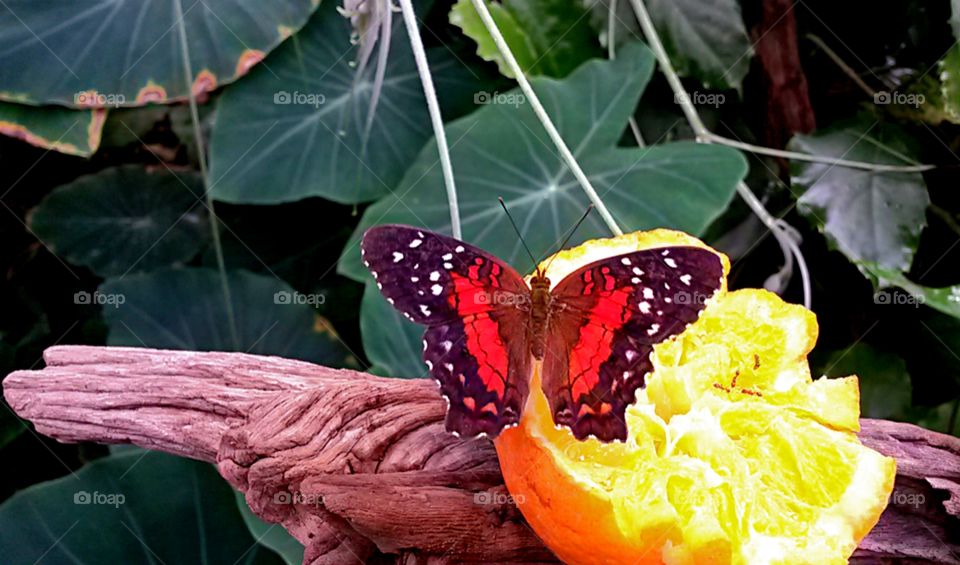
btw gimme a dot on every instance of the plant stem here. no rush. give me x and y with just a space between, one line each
779 230
795 156
202 157
541 114
847 70
426 79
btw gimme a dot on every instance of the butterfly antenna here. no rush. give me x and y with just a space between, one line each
569 235
516 229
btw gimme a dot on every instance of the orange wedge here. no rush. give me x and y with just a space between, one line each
762 469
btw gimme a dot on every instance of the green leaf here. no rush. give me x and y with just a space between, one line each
272 536
502 149
950 84
270 318
131 508
705 40
74 132
547 37
296 129
884 382
126 53
945 299
871 217
392 342
124 219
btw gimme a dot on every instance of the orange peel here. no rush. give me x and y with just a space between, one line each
763 468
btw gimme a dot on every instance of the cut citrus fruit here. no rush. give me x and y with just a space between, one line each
734 454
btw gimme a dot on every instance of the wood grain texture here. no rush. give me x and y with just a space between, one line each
359 468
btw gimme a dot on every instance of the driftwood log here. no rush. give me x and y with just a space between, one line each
359 468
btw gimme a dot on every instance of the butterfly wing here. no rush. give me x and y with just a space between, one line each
607 317
475 344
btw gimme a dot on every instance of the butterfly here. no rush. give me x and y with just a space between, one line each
593 331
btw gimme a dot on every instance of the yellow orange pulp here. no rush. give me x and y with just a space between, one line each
764 470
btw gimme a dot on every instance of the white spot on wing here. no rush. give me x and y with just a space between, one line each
397 256
685 279
446 345
415 243
670 263
448 266
436 289
425 310
625 260
448 367
448 256
631 354
390 300
459 249
654 328
637 271
644 307
435 276
648 293
414 279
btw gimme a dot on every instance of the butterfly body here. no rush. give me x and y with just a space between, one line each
592 333
540 304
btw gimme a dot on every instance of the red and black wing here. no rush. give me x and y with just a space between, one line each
607 317
475 344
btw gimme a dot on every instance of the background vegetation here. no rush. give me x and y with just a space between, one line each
129 219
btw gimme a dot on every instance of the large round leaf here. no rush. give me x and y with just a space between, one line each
127 52
185 309
297 129
74 132
871 217
124 219
502 150
131 508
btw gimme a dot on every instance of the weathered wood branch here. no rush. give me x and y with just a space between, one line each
359 467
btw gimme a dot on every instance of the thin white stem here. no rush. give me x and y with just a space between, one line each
704 136
426 79
544 118
794 156
202 157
